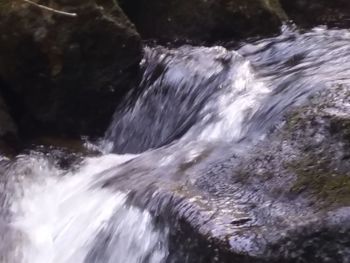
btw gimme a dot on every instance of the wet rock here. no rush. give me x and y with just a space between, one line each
65 74
198 20
7 127
310 13
285 200
316 149
8 131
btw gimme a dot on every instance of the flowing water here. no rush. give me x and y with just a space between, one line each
192 102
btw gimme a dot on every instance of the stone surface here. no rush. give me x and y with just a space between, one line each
7 126
198 20
220 20
287 200
284 200
310 13
8 130
63 74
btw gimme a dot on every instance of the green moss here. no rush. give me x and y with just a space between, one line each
296 122
294 119
5 5
275 7
318 173
107 3
316 177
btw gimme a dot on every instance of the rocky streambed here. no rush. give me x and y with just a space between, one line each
184 131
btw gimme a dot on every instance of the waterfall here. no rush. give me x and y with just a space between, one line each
192 102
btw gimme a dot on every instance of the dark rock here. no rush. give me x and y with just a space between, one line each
7 126
310 13
63 74
220 20
197 20
8 131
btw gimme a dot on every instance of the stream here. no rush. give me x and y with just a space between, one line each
193 105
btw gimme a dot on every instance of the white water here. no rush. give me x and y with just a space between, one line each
66 218
62 216
232 108
200 94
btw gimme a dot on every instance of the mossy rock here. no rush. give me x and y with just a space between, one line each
309 156
294 186
320 134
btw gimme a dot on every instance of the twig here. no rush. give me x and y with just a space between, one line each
50 9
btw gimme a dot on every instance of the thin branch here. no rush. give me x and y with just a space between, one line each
50 9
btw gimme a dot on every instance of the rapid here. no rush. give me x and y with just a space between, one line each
192 105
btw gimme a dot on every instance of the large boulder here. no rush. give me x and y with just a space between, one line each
285 200
197 20
65 74
288 199
310 13
219 20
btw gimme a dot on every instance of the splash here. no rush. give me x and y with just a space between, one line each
64 218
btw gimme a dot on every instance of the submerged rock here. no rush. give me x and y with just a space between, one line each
197 20
65 74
